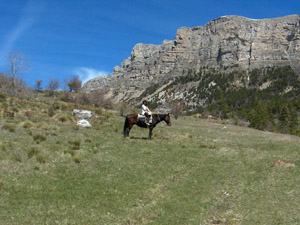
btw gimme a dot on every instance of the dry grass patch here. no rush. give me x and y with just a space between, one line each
283 164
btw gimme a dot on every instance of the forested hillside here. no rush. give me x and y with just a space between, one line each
267 98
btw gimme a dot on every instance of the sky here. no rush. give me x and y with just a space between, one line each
88 38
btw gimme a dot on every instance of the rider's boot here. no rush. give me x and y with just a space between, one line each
147 121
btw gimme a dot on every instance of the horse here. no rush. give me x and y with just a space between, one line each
132 119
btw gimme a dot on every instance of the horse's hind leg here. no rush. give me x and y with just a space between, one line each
126 132
126 127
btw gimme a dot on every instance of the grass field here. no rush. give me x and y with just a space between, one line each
194 172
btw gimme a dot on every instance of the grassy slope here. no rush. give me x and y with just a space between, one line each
195 172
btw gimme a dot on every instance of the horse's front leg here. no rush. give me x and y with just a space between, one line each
126 131
150 132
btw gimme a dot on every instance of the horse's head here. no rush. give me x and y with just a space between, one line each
168 119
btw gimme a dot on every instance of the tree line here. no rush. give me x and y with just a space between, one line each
12 84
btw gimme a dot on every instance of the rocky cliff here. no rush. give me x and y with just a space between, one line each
226 44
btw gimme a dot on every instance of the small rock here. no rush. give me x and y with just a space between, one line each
84 123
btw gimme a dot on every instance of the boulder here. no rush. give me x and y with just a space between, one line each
83 123
82 114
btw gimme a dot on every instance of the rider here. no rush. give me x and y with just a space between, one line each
146 112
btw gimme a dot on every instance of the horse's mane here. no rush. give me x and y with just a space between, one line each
161 116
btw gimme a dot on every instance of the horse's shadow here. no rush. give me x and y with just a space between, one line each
145 138
139 138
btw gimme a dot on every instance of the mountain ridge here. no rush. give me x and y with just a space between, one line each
225 44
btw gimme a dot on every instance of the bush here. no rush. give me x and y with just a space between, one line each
88 140
39 138
41 159
75 145
28 124
32 152
2 97
28 114
1 184
51 112
17 157
9 127
62 119
56 105
69 151
76 159
7 113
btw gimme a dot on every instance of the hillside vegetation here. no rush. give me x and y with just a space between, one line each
194 172
268 98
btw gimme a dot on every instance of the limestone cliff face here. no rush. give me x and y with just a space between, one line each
232 40
224 43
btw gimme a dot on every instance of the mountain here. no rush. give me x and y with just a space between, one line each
230 49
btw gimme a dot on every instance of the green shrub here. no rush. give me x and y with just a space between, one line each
15 109
75 145
17 157
41 159
62 119
28 124
76 159
1 184
56 105
8 113
4 105
54 148
64 106
2 96
99 111
39 138
88 140
69 151
51 112
9 127
32 152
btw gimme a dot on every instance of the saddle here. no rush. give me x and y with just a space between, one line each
142 118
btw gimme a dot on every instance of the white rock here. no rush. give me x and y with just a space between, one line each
82 114
84 123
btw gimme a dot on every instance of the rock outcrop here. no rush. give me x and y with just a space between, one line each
82 114
226 43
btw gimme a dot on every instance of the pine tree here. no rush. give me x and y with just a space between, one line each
284 118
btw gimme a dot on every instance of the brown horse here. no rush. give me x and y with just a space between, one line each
132 119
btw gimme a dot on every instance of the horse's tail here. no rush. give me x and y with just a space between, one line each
126 125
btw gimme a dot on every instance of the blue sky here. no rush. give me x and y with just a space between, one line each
63 38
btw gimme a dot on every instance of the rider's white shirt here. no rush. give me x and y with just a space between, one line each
145 109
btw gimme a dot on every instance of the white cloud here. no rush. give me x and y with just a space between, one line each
29 16
86 74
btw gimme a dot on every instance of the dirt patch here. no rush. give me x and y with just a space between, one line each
282 163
